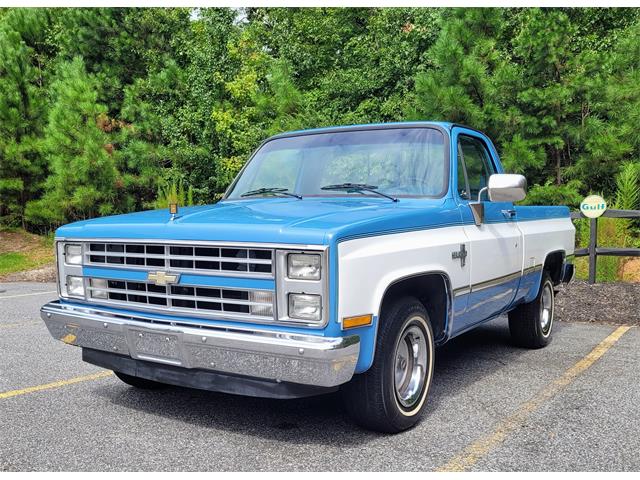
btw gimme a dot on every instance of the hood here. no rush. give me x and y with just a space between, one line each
312 221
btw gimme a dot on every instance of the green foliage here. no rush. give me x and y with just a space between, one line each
551 194
173 192
110 110
82 183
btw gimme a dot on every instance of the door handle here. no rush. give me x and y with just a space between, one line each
509 213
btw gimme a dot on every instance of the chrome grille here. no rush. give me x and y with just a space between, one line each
190 299
205 259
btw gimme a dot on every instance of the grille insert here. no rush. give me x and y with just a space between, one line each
187 298
204 259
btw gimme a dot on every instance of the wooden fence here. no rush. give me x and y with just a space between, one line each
593 251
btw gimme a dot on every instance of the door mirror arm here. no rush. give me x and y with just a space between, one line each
477 208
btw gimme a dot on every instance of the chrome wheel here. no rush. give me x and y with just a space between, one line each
411 364
546 309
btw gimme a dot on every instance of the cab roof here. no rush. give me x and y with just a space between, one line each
368 126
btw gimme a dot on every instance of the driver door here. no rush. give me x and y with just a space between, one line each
495 246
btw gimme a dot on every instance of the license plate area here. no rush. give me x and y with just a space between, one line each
155 346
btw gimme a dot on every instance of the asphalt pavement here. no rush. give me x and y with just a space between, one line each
571 406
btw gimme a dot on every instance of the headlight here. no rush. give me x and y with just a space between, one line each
302 266
305 307
75 286
73 254
99 283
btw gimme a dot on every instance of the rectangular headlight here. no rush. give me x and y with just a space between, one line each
303 266
75 286
305 307
73 254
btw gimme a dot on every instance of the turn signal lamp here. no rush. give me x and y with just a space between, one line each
359 321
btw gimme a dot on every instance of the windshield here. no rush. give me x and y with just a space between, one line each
402 162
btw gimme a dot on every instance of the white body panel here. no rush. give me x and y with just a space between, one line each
367 266
545 236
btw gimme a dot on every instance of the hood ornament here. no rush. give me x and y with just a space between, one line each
173 210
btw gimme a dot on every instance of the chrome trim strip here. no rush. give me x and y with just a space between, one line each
462 291
534 269
476 287
290 246
271 355
495 281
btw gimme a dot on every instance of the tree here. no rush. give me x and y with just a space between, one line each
83 180
22 112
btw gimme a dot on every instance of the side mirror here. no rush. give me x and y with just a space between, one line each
507 187
503 187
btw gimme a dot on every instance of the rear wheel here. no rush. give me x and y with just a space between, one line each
530 324
138 382
390 396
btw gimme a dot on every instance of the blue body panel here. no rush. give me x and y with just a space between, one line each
316 221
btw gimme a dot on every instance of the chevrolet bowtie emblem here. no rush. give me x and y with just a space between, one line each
162 278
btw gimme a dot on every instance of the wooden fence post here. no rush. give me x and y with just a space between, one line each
593 244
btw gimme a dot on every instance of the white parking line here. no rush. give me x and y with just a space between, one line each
27 294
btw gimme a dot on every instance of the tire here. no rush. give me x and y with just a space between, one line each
531 323
383 398
138 382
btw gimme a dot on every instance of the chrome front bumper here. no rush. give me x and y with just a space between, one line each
262 354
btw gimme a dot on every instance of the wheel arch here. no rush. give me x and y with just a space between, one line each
553 263
424 286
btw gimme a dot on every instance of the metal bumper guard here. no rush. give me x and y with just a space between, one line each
262 354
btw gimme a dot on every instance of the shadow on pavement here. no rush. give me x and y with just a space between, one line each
322 419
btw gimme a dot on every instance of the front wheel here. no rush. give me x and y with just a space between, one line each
390 396
530 324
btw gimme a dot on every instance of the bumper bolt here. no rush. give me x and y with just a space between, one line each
204 339
48 315
301 351
105 324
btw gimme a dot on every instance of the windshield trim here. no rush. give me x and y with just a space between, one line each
355 128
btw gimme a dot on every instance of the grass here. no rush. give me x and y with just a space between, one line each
20 251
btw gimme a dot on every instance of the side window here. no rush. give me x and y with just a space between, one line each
463 184
477 162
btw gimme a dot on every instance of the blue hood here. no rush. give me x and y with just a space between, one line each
313 221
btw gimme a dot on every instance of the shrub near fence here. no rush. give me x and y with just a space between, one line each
593 251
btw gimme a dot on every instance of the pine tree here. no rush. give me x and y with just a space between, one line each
22 167
83 176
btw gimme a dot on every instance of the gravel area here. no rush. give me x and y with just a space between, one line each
47 273
615 303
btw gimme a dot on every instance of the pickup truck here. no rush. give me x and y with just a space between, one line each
338 259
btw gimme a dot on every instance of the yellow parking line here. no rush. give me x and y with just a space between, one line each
474 452
60 383
19 324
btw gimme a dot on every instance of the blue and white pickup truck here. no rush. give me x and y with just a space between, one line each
338 258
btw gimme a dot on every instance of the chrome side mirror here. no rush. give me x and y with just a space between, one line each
507 187
503 187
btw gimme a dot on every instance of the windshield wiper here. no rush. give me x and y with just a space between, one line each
272 190
358 187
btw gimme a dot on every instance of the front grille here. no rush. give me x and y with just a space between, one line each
186 258
183 298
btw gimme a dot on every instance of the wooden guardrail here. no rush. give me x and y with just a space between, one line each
593 251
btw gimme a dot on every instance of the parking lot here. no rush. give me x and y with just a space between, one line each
571 406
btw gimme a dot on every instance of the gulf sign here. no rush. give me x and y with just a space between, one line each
593 206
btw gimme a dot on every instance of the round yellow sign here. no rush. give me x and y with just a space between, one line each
593 206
